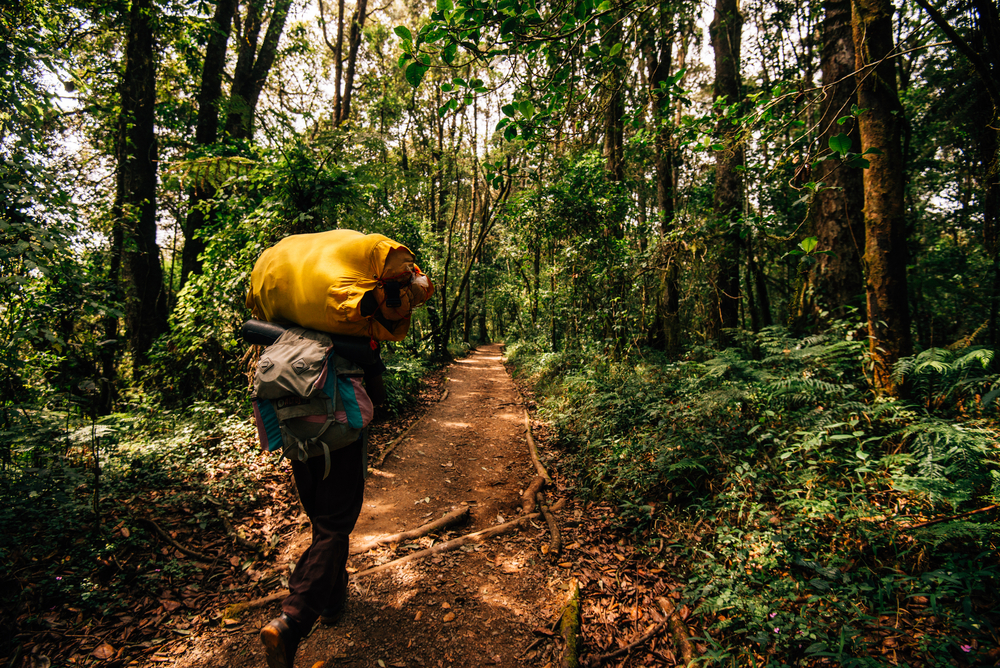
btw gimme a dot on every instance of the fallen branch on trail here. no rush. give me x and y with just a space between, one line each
528 498
569 627
173 543
389 448
235 610
533 451
454 517
440 548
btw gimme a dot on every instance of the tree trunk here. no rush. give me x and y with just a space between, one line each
252 67
206 132
357 25
134 209
885 223
837 281
726 33
658 55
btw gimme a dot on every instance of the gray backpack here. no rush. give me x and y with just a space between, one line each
307 399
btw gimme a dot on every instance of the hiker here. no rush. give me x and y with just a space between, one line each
345 291
318 585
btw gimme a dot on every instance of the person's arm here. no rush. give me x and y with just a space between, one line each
375 388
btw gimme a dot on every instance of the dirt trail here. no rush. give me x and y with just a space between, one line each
480 605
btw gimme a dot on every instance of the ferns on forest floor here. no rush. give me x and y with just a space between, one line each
809 487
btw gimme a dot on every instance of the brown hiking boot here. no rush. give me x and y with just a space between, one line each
281 638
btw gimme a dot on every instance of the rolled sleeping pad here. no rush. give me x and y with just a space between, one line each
263 333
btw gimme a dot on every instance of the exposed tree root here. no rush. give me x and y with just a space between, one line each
399 439
454 517
476 537
555 541
528 498
533 451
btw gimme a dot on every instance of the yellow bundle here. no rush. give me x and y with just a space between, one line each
342 281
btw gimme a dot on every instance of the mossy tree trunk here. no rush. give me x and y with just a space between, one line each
884 213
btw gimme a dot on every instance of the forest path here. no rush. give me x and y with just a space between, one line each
480 605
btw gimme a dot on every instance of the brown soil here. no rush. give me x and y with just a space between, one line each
489 604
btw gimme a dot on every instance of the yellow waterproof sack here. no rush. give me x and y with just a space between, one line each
342 281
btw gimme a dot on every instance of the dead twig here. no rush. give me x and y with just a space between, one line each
443 396
173 543
908 527
476 537
593 661
454 517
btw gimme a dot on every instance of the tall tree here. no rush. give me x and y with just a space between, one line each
658 54
134 209
983 52
881 124
207 131
726 33
837 279
253 65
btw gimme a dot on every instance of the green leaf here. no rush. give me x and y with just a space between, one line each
840 143
447 88
604 6
527 109
449 52
403 32
445 5
615 50
459 81
508 110
509 25
510 132
415 72
809 244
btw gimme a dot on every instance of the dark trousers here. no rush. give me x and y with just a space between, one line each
332 505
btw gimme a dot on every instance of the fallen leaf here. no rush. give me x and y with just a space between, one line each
449 617
169 605
446 605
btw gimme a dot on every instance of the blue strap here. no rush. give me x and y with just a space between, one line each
270 423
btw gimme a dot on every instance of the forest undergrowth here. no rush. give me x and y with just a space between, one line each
121 534
811 522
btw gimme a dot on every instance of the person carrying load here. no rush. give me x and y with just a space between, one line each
323 302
